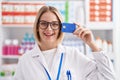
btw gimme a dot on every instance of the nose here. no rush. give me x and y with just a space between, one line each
49 27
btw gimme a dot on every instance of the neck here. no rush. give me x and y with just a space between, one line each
44 46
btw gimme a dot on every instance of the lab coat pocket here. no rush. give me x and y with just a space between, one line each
69 75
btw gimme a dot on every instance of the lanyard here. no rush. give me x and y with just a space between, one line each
59 69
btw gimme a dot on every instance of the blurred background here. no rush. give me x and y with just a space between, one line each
17 18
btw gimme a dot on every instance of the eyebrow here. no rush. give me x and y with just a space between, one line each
47 21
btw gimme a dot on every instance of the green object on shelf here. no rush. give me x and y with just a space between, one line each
66 11
2 74
13 73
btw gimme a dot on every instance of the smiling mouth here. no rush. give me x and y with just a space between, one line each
48 34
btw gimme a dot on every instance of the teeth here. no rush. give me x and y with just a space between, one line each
48 34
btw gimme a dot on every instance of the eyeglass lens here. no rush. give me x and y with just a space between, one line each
45 24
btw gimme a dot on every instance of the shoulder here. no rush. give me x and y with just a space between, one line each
75 54
69 50
26 56
29 54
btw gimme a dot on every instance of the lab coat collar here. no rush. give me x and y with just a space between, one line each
54 67
57 56
37 50
38 55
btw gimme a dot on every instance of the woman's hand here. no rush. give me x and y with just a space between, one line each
87 36
84 33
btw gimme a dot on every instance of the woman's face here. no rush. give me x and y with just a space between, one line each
49 27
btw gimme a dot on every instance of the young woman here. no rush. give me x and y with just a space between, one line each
50 60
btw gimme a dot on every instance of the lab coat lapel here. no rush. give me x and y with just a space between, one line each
40 58
56 61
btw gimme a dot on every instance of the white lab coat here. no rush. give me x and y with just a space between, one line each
81 67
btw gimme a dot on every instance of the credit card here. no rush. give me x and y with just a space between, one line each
68 27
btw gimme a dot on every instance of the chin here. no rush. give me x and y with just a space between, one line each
51 41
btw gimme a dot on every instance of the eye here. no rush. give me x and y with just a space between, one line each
43 23
55 24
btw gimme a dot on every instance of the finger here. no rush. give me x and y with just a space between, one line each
82 32
77 24
77 30
85 34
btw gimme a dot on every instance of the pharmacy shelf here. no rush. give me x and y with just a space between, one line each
100 26
10 57
8 70
6 78
90 26
17 25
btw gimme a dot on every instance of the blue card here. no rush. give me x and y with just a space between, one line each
68 27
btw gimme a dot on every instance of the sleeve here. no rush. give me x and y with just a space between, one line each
103 68
18 73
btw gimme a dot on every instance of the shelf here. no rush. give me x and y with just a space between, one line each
17 25
100 26
10 56
90 26
6 78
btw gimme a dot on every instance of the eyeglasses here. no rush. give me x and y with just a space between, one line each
44 24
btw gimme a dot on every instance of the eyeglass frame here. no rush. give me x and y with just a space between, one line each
49 24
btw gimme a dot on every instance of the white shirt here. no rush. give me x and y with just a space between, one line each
49 55
80 66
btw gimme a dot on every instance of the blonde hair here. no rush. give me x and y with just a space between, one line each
39 14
